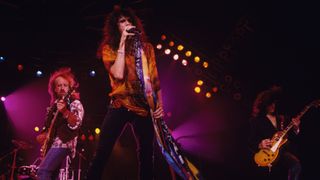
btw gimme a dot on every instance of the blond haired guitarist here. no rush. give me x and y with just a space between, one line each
64 118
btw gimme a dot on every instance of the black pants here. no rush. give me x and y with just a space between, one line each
112 126
293 165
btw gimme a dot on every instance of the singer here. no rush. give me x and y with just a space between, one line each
64 118
128 105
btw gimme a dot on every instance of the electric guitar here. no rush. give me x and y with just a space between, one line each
49 135
265 157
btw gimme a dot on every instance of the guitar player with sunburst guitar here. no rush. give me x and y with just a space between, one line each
63 120
270 132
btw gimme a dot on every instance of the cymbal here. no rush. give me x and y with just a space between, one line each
21 144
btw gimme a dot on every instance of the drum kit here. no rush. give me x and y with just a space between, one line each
29 172
24 171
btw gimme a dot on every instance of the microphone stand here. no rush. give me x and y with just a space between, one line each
79 164
13 163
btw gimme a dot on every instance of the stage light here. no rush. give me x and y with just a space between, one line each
184 62
92 73
159 46
36 129
205 64
188 53
3 98
39 73
215 89
171 43
197 89
83 137
20 67
180 48
163 37
2 58
91 138
197 59
176 57
97 131
200 82
167 51
208 95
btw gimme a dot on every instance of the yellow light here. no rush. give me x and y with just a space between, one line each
200 82
163 37
171 43
36 129
188 53
180 47
197 89
97 130
205 64
208 95
197 59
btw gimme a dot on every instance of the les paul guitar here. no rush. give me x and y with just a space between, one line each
265 157
49 135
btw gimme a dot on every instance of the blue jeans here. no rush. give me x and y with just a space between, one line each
50 165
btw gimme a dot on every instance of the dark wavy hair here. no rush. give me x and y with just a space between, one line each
111 34
67 74
264 99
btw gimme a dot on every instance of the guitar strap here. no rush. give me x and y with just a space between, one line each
165 140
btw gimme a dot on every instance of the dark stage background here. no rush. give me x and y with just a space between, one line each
249 46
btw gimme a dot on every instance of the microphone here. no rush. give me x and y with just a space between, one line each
134 30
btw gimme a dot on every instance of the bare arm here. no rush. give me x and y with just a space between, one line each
117 69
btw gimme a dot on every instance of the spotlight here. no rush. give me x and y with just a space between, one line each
180 48
197 89
171 43
39 73
208 95
200 82
92 73
36 129
3 98
205 64
188 53
2 58
215 89
184 62
159 46
20 67
197 59
163 37
167 51
83 137
176 57
91 138
97 131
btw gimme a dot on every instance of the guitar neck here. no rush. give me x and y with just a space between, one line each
290 125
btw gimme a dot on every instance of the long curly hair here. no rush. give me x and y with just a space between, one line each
111 34
264 99
67 74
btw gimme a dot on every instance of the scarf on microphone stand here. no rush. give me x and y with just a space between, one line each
169 148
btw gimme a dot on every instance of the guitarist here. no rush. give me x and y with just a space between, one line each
265 123
64 116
